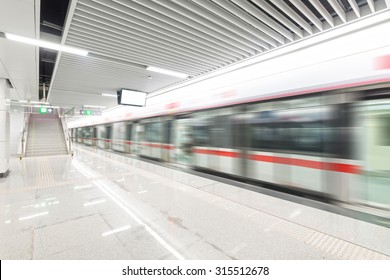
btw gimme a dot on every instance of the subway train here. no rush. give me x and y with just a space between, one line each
308 120
334 144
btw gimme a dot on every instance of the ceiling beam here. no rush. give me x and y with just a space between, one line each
68 20
274 13
371 5
293 15
355 7
307 13
238 22
249 19
248 32
340 12
322 11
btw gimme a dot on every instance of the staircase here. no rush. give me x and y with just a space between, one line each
45 136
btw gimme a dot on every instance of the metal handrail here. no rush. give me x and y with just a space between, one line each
24 135
68 138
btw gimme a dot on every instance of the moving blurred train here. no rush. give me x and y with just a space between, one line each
319 126
334 143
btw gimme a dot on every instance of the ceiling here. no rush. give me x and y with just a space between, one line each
194 37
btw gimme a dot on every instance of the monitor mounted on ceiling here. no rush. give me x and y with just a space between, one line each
131 98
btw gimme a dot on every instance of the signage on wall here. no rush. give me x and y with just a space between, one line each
46 110
90 112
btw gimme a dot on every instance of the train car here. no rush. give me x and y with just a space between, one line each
104 136
122 137
301 117
154 138
88 136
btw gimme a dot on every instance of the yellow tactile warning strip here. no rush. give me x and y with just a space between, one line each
45 176
325 242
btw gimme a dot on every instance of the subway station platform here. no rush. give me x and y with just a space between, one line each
100 205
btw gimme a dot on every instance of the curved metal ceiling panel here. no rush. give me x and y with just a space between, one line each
187 36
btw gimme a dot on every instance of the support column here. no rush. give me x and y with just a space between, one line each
4 128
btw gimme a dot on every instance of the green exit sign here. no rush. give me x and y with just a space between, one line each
43 110
90 113
46 110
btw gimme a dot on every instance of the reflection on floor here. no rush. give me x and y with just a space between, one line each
103 206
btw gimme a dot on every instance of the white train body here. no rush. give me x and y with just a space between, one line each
324 100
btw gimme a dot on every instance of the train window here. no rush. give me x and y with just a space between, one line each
385 131
314 129
167 132
298 129
129 131
201 129
88 132
101 132
221 132
152 132
108 132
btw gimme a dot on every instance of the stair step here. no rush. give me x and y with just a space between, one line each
45 136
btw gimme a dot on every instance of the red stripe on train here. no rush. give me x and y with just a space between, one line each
217 153
161 146
330 166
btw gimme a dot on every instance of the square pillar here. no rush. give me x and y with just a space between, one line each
4 128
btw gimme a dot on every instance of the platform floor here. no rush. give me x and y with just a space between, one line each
99 205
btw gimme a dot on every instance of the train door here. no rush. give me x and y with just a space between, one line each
108 137
129 138
375 114
138 137
101 136
157 142
146 143
166 139
183 140
222 156
88 135
94 136
260 155
240 125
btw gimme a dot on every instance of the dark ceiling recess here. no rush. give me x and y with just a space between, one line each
53 13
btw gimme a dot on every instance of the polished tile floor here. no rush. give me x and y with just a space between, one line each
98 205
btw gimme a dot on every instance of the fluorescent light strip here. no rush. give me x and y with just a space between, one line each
38 102
115 230
167 72
46 45
33 216
93 106
109 95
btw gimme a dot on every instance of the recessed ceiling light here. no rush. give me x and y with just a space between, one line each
93 106
46 45
109 95
167 72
